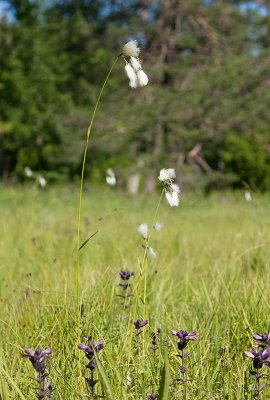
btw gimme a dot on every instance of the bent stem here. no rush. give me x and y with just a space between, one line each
80 199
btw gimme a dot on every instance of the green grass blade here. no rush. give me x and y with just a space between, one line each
163 393
104 379
12 383
4 392
87 240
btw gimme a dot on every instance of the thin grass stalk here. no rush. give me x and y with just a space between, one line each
80 199
142 270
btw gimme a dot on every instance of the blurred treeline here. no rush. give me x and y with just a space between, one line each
206 110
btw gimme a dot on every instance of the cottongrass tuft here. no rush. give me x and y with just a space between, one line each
137 77
143 230
172 190
151 252
131 49
41 181
110 178
28 172
158 226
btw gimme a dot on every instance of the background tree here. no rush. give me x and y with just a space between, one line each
208 63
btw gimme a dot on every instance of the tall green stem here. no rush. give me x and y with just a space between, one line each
80 199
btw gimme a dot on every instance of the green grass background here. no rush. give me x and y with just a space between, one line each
211 275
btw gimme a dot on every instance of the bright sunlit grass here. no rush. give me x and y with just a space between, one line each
211 275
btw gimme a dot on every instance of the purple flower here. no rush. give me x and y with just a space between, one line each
91 347
259 357
139 323
152 397
126 274
184 337
38 358
262 338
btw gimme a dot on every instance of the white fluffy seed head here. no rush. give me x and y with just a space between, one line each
166 174
173 198
248 196
152 253
142 78
143 230
131 49
136 65
42 181
158 226
130 72
133 80
28 172
110 178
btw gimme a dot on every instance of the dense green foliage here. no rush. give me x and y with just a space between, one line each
208 63
211 275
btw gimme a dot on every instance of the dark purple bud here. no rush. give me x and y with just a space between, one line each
91 382
182 369
140 323
92 365
152 397
124 286
126 274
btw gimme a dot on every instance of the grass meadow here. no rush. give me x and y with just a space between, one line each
211 275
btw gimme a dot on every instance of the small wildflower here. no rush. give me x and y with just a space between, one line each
28 172
152 397
183 338
126 274
259 357
143 230
140 323
110 178
262 338
172 190
158 226
38 358
137 77
91 347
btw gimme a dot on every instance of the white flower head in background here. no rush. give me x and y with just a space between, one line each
143 230
151 252
137 77
28 172
172 190
158 226
248 196
41 181
110 178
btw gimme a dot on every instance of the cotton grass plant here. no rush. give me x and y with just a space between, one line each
137 78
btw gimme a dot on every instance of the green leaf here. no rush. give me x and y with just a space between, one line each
87 240
104 379
4 392
163 393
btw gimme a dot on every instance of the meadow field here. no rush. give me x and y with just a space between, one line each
211 276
